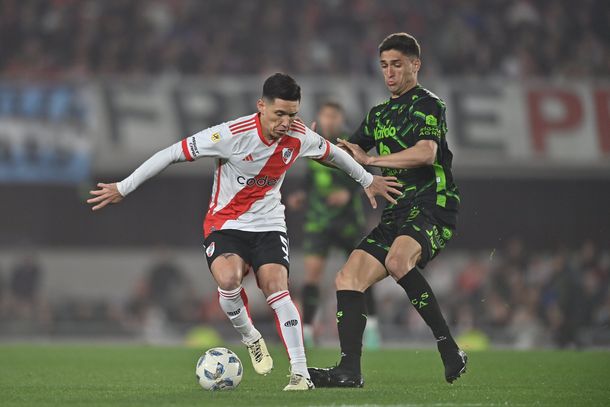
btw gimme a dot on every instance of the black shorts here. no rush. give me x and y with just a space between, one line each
418 223
255 248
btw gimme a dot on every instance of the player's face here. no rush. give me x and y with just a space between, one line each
399 71
331 122
276 116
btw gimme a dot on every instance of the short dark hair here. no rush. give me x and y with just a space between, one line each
333 105
403 42
281 86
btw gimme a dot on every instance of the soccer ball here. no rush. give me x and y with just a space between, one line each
219 369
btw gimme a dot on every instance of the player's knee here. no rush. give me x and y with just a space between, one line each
398 266
272 286
392 264
345 280
228 281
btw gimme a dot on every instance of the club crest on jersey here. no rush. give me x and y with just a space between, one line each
287 155
209 251
215 137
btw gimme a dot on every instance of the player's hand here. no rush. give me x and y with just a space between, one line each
106 194
355 151
383 186
338 198
295 200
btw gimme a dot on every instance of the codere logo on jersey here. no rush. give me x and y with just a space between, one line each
264 181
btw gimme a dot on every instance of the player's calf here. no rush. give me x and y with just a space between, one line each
290 330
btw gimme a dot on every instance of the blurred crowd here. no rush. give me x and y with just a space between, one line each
512 296
505 38
533 298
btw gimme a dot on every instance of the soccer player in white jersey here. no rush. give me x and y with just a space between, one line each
244 227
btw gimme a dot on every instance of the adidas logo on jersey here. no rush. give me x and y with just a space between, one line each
248 158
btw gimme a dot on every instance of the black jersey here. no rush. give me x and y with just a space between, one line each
398 124
321 181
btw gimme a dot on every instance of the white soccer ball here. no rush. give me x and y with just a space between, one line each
219 369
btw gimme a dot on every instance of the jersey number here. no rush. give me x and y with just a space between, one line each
284 241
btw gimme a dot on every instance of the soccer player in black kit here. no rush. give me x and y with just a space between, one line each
408 131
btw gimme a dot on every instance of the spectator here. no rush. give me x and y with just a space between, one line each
511 38
165 295
25 301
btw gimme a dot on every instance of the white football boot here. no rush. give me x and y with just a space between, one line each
298 382
261 359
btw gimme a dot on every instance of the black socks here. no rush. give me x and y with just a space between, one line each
369 298
351 320
424 301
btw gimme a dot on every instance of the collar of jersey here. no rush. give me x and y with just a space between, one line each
405 96
259 130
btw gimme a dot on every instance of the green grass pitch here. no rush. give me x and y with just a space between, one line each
117 375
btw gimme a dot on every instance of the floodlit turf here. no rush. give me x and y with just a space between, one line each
62 375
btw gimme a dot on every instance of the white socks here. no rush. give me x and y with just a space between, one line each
289 328
235 305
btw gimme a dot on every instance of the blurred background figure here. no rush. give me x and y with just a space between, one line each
3 295
89 89
334 218
164 296
25 299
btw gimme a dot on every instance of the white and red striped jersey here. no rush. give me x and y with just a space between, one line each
249 171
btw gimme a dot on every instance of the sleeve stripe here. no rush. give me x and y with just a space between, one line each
327 151
243 129
237 126
186 151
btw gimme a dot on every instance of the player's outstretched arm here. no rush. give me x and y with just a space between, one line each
355 151
373 185
421 154
104 195
115 192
